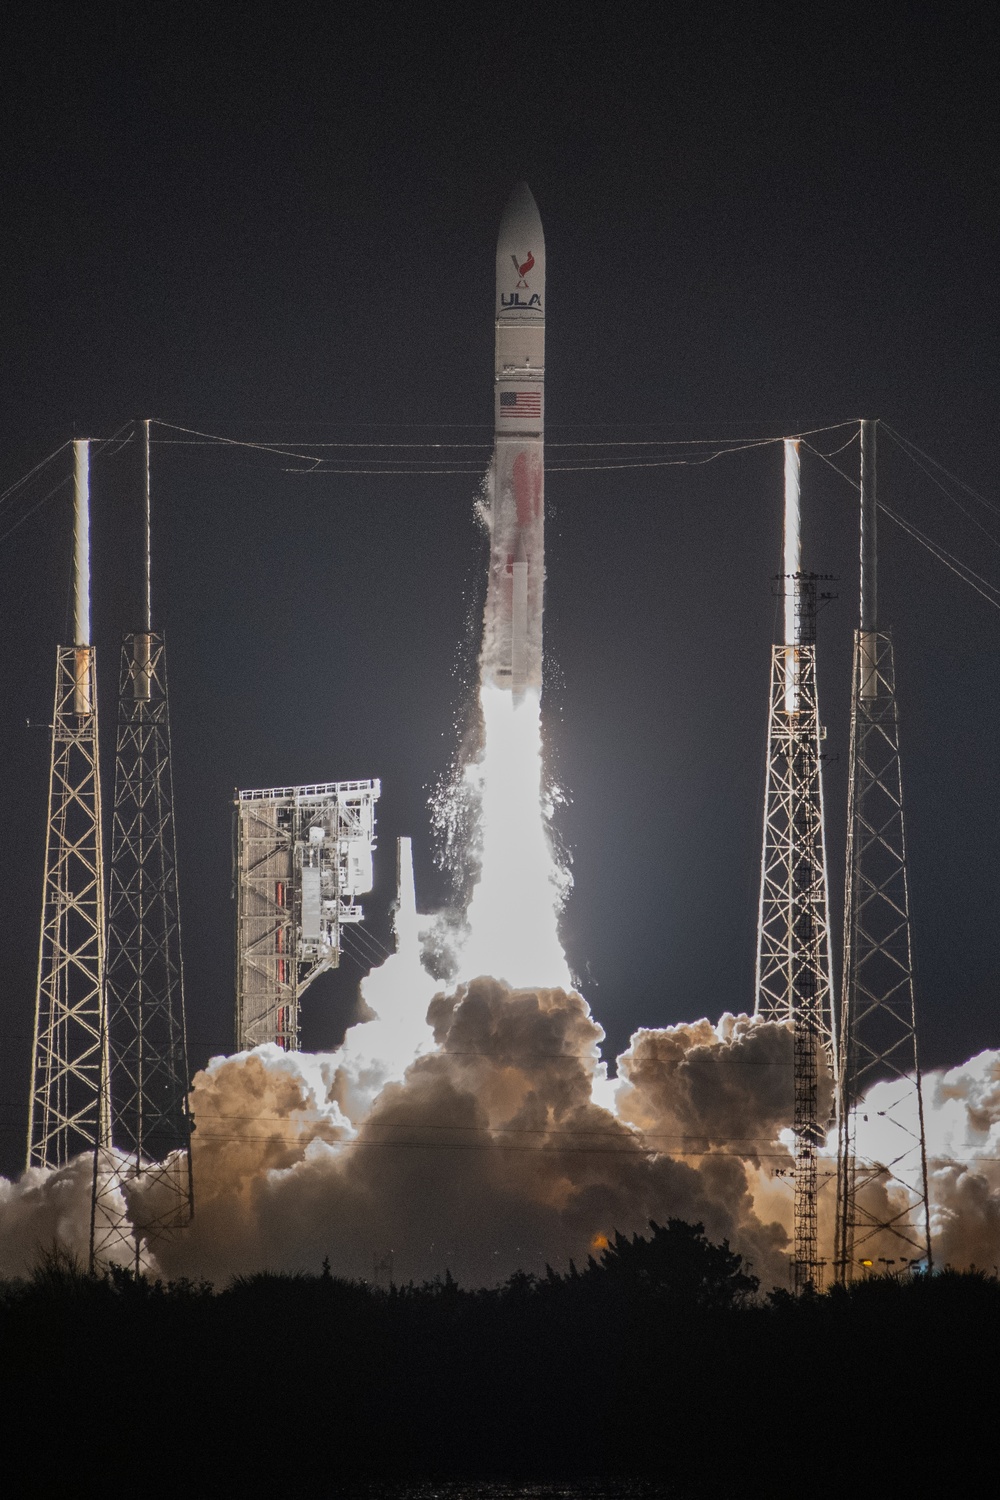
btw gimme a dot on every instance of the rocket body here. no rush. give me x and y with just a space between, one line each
512 638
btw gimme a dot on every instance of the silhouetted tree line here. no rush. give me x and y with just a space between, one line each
657 1361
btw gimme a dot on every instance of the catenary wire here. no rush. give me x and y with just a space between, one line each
910 447
912 452
961 570
207 439
11 489
99 447
954 565
37 506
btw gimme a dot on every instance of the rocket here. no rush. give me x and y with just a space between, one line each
512 637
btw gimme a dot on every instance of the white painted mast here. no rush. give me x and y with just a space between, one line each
148 600
81 575
141 646
81 539
793 568
869 563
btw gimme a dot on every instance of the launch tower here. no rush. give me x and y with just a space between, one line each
68 1109
151 1128
794 968
882 1202
303 856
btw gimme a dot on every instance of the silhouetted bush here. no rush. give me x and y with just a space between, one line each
655 1360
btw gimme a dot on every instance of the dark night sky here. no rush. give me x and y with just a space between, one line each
273 222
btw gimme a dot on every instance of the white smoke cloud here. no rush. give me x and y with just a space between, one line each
483 1150
962 1116
43 1211
486 1156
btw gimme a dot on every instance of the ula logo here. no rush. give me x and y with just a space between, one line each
514 300
522 270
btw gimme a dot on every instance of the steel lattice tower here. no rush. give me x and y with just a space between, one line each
794 968
878 1024
68 1109
151 1167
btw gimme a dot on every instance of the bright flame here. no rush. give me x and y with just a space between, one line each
514 911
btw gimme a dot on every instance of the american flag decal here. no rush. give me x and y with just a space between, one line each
521 404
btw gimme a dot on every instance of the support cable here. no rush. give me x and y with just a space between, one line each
968 575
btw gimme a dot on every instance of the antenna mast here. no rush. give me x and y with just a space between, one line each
794 968
149 1067
68 1110
882 1198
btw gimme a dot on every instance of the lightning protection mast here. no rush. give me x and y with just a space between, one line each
149 1172
68 1109
794 968
882 1201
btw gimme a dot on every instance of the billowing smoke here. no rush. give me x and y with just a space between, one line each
45 1210
484 1151
488 1155
962 1113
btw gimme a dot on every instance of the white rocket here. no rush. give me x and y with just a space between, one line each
512 638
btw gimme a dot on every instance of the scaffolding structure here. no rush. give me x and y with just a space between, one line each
794 978
882 1191
142 1185
303 855
69 1109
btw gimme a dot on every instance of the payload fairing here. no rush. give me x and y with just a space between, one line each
512 639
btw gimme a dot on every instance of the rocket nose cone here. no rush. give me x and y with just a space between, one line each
521 219
521 267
